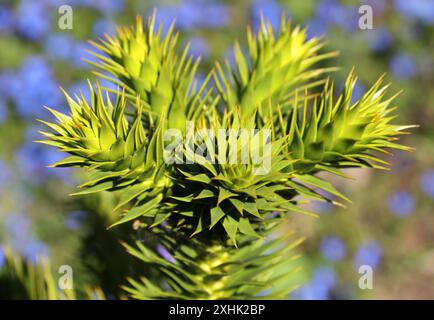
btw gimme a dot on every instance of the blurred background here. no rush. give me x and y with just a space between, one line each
389 225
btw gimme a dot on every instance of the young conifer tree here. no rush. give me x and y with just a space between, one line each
210 224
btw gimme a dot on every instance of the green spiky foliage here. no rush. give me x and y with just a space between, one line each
224 190
147 65
274 68
120 154
260 268
210 224
340 133
21 279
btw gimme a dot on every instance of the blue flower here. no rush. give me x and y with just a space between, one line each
325 276
2 257
7 82
230 57
333 248
427 183
369 253
402 66
74 3
81 54
104 26
35 250
358 91
331 11
311 291
34 86
109 7
3 111
422 10
193 14
59 46
199 47
214 16
7 20
351 21
34 19
321 206
317 28
22 239
166 15
401 203
33 158
165 254
18 228
270 10
75 219
379 39
5 174
319 288
378 6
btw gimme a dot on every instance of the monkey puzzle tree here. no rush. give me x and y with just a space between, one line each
209 224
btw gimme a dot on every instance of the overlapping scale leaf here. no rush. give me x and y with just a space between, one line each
341 133
263 269
272 69
231 196
147 64
119 152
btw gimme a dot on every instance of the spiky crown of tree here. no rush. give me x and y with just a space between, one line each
214 220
